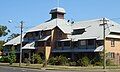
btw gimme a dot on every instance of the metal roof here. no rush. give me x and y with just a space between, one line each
93 29
61 23
14 41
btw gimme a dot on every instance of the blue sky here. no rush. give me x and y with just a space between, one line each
34 12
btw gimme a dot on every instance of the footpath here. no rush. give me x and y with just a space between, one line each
69 68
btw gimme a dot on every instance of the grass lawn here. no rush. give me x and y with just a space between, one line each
54 67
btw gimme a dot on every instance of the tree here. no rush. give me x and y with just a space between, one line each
3 30
12 56
12 36
1 45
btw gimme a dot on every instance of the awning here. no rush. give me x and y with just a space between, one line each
83 38
65 40
45 38
29 46
113 36
99 49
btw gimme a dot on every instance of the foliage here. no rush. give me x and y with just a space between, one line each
4 59
1 45
27 61
97 60
72 63
109 62
12 56
52 61
12 36
37 59
3 30
58 60
98 63
85 61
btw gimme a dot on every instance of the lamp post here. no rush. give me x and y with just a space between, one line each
21 30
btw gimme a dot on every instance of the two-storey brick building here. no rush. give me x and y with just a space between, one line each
74 39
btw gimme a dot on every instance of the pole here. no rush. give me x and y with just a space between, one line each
104 67
21 30
104 53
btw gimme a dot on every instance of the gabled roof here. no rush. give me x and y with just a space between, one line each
61 23
14 41
94 30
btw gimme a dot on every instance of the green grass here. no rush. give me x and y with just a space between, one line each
54 67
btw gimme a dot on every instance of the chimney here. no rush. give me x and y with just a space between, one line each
57 13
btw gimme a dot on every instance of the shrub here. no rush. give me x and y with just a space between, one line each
4 59
37 59
98 64
97 60
27 61
109 62
85 61
12 56
72 63
58 60
52 61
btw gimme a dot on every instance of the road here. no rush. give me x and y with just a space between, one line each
16 69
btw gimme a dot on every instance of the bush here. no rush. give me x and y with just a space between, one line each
97 60
37 59
4 59
27 61
12 56
98 64
72 63
52 61
85 61
109 62
58 60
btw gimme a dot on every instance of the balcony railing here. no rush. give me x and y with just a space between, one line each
75 49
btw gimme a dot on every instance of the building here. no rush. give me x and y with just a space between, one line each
74 39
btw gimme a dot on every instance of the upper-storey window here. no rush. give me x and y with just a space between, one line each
78 31
112 43
83 42
91 42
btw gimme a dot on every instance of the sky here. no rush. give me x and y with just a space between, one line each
35 12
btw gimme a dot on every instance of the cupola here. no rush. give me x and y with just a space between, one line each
57 13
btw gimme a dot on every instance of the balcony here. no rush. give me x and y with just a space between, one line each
30 39
78 49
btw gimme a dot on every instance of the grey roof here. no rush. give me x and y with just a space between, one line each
94 30
14 41
61 23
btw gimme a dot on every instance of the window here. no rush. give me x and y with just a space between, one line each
83 42
75 44
59 44
67 43
91 42
78 31
112 43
